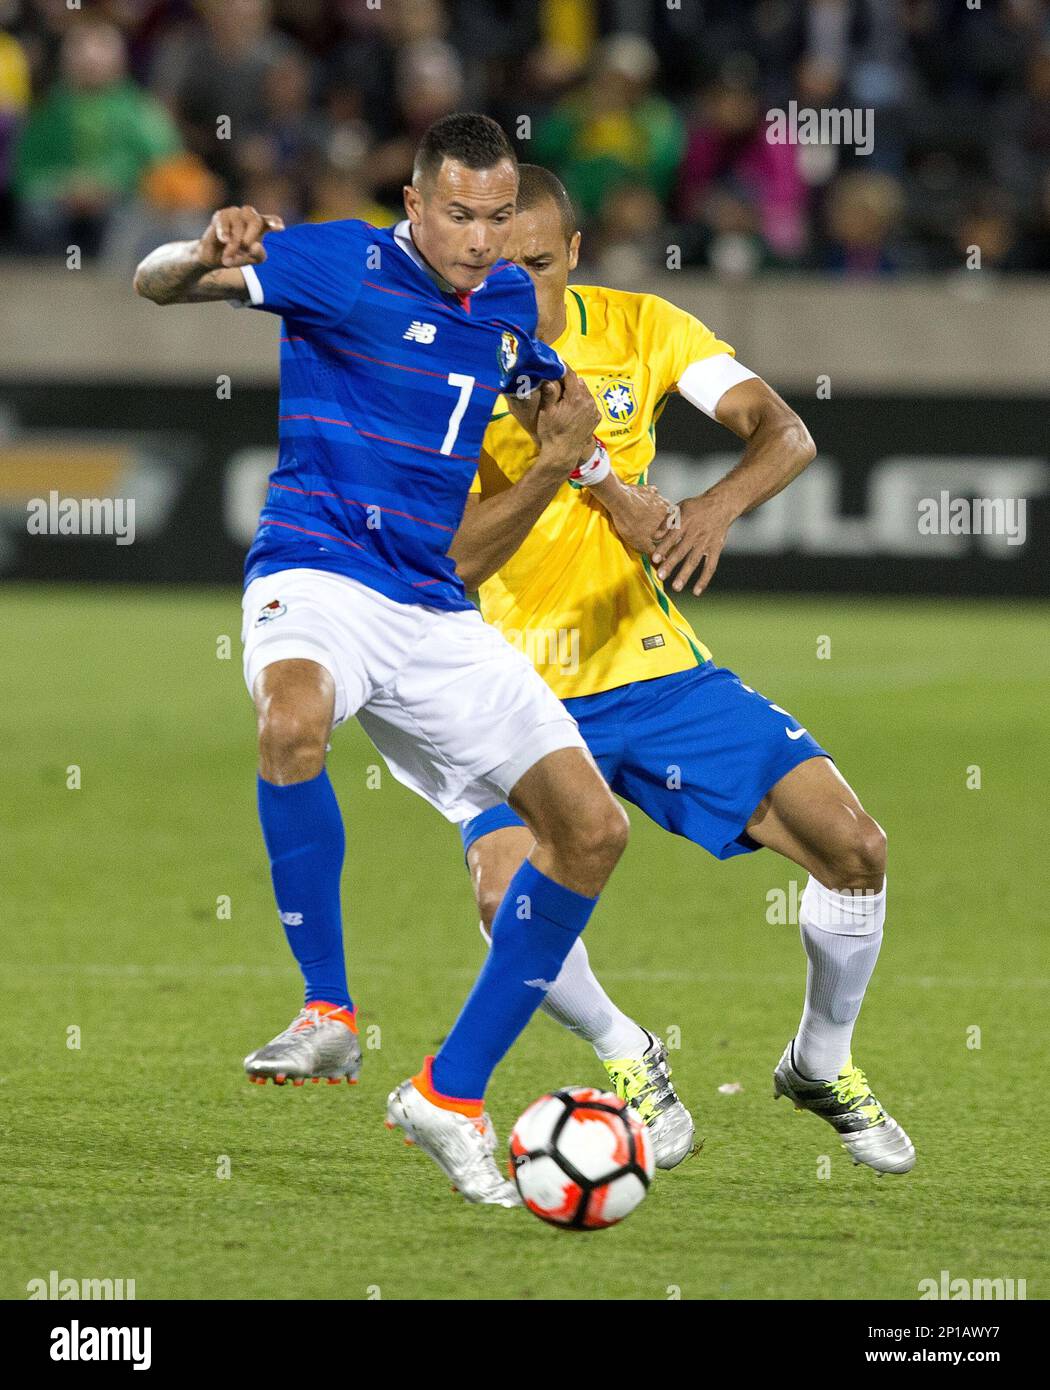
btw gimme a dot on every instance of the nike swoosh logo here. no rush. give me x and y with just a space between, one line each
794 733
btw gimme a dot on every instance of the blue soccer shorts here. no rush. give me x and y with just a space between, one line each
696 751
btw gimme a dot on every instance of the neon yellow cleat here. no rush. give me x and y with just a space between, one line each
645 1084
868 1134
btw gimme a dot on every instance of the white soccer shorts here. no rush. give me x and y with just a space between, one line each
457 713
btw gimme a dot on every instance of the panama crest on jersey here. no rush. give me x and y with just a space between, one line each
508 353
617 399
269 611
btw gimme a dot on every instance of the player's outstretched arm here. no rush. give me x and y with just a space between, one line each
778 448
195 272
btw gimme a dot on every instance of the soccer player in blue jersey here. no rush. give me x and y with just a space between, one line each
395 344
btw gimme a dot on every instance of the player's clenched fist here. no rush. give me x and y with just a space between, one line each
234 237
567 417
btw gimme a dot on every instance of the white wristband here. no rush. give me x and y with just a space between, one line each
594 469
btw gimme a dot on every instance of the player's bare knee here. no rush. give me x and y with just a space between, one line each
292 744
859 860
618 828
488 906
493 861
598 834
870 849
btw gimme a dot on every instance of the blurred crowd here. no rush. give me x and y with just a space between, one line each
124 123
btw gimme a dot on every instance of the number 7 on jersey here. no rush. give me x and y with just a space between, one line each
466 385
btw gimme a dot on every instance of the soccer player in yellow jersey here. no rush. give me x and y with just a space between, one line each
575 575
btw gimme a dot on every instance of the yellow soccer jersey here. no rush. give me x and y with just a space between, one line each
588 612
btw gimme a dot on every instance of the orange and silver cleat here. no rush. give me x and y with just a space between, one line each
320 1044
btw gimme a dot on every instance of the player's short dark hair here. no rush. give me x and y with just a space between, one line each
477 141
535 184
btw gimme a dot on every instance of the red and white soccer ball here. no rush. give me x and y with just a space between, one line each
581 1159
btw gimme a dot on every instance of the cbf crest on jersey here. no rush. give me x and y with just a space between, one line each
508 353
616 398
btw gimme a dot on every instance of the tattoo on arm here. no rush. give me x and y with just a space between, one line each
173 274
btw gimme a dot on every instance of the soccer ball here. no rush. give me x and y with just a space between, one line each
581 1159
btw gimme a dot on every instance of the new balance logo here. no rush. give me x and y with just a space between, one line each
420 332
292 919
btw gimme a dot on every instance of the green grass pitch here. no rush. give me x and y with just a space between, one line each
111 1150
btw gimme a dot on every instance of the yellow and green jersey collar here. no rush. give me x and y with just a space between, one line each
575 313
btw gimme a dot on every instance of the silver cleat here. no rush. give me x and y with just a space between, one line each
645 1084
868 1134
460 1146
316 1045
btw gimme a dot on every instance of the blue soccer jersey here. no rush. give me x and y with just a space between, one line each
388 381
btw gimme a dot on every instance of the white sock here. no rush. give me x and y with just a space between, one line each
842 933
577 1001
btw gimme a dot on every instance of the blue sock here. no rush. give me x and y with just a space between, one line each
525 951
304 837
